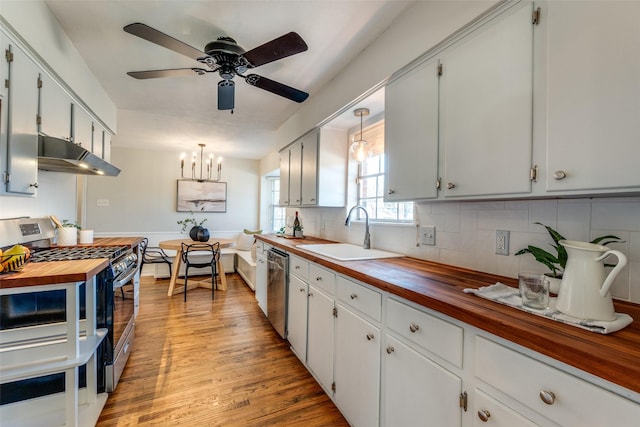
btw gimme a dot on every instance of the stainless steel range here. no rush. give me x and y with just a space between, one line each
115 301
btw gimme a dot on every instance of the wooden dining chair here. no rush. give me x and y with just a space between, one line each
200 255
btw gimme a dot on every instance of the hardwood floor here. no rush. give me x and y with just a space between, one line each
217 363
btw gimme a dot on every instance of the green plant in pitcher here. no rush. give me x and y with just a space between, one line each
557 263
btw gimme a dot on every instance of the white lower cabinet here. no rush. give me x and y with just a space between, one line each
389 362
261 276
357 368
417 391
490 412
320 336
297 317
556 395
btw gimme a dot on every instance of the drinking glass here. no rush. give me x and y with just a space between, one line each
534 290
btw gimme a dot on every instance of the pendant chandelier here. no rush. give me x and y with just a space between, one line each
359 150
204 164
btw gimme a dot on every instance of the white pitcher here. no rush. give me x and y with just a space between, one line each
584 291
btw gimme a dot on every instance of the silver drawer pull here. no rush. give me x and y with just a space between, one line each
451 185
302 289
390 349
484 415
354 296
547 397
414 327
297 267
559 175
318 279
391 191
370 336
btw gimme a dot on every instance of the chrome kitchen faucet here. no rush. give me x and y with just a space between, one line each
367 236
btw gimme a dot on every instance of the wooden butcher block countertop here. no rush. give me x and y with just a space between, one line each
614 357
54 272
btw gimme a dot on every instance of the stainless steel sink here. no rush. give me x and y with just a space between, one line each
348 252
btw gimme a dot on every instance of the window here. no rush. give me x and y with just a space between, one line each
276 213
371 181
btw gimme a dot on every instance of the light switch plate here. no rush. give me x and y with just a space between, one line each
502 242
428 235
102 202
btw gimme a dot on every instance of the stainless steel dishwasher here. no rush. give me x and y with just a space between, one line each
277 286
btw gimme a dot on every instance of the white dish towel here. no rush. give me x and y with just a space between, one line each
507 295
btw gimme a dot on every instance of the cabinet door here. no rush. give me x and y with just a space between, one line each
320 337
297 317
417 389
357 369
261 282
593 90
486 109
310 170
106 145
411 135
285 156
22 128
55 109
295 174
83 130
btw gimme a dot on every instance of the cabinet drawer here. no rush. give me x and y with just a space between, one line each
575 402
299 267
490 412
438 336
322 278
363 299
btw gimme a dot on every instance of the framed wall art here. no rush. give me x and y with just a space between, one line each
201 196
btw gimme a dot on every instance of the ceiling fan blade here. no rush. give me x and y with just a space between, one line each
279 48
226 95
154 36
277 88
175 72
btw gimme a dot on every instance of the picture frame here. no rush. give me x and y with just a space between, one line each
201 196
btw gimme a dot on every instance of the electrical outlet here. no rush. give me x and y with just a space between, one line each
428 235
102 202
502 242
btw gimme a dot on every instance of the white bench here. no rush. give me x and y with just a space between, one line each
246 268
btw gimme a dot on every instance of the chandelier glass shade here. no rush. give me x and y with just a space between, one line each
359 149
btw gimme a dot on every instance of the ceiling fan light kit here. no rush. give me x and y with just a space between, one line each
228 59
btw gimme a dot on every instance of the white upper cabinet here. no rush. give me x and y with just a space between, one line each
486 97
313 170
21 173
285 159
55 109
411 135
83 130
593 96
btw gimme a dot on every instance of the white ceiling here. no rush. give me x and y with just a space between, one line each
177 113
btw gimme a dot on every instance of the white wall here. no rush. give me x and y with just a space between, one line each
142 199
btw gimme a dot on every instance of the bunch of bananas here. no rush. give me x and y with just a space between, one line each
14 258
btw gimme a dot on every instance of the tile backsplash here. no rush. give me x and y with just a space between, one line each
465 233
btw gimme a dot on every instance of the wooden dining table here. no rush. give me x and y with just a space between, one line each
176 245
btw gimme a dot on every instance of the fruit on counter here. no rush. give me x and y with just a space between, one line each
14 258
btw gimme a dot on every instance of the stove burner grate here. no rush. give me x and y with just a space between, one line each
78 253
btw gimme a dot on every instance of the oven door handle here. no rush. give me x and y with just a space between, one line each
121 282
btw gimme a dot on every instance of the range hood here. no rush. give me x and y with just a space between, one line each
60 155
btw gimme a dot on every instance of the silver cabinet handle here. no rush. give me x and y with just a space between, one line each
390 349
392 191
559 175
450 185
302 289
370 336
484 415
34 185
547 397
310 294
353 296
414 327
297 267
313 200
318 279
